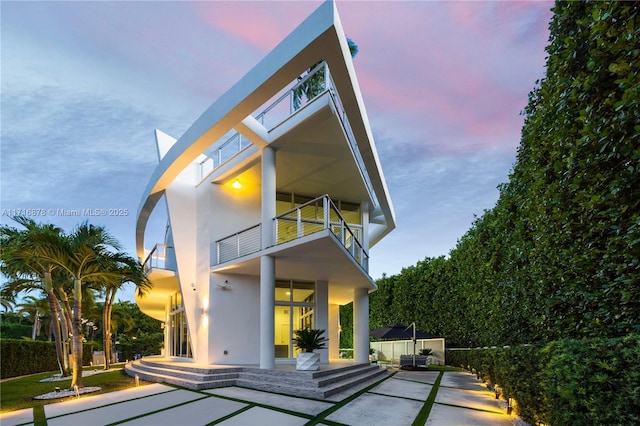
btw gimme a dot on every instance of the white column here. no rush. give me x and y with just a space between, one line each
267 305
321 316
361 325
267 263
268 196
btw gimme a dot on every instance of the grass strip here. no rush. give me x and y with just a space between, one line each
128 419
228 416
39 419
423 415
268 407
18 393
320 417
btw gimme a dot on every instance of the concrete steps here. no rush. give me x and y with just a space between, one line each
311 384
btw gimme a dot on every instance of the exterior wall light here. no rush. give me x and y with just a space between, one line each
224 286
236 184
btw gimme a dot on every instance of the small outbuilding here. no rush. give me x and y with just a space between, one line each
399 339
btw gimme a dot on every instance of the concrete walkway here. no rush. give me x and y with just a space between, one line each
460 400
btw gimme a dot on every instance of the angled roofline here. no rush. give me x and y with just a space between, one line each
320 36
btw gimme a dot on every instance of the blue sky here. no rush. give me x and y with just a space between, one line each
84 85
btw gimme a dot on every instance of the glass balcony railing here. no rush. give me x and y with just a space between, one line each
157 258
311 217
296 96
230 144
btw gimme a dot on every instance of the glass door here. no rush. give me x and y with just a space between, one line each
294 310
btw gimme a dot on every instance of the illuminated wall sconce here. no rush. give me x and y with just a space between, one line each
205 306
236 184
193 286
224 286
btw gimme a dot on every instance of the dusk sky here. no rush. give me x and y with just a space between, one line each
84 85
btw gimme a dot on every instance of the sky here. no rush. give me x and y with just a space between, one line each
84 85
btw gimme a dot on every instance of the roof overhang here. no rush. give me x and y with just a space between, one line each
319 37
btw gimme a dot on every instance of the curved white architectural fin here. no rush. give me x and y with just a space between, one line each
164 142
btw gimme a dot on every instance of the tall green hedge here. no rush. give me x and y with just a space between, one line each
568 382
22 357
558 256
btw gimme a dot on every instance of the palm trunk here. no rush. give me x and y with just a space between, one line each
106 332
67 322
65 332
57 332
76 340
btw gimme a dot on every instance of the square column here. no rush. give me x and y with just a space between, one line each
361 325
322 316
267 306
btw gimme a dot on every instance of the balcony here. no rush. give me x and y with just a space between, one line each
157 259
309 218
296 96
160 268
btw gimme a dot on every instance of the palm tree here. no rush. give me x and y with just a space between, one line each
130 271
26 271
86 257
35 309
6 304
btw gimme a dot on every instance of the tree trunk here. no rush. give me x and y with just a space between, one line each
65 332
106 331
76 340
67 322
57 332
36 326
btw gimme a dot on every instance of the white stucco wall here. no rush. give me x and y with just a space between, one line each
232 322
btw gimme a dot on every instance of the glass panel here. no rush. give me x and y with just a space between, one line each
304 292
350 212
283 291
283 202
298 200
302 318
282 331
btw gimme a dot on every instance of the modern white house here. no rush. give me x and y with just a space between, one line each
275 196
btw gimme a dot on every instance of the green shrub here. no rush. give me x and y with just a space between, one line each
21 357
567 382
15 331
593 381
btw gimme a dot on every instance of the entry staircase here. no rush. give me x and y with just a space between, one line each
319 384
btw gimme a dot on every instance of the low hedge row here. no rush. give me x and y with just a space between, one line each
567 382
21 357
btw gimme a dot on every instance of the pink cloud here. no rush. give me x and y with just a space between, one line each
460 70
260 24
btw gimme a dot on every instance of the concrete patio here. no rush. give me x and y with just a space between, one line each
461 399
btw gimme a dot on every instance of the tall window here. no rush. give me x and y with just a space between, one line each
294 310
179 342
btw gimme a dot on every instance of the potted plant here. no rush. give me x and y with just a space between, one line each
373 359
308 340
427 352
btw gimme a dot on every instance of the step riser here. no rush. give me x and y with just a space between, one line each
186 375
317 385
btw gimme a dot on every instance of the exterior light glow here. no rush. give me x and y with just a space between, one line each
236 184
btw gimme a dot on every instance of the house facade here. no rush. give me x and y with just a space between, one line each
274 196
